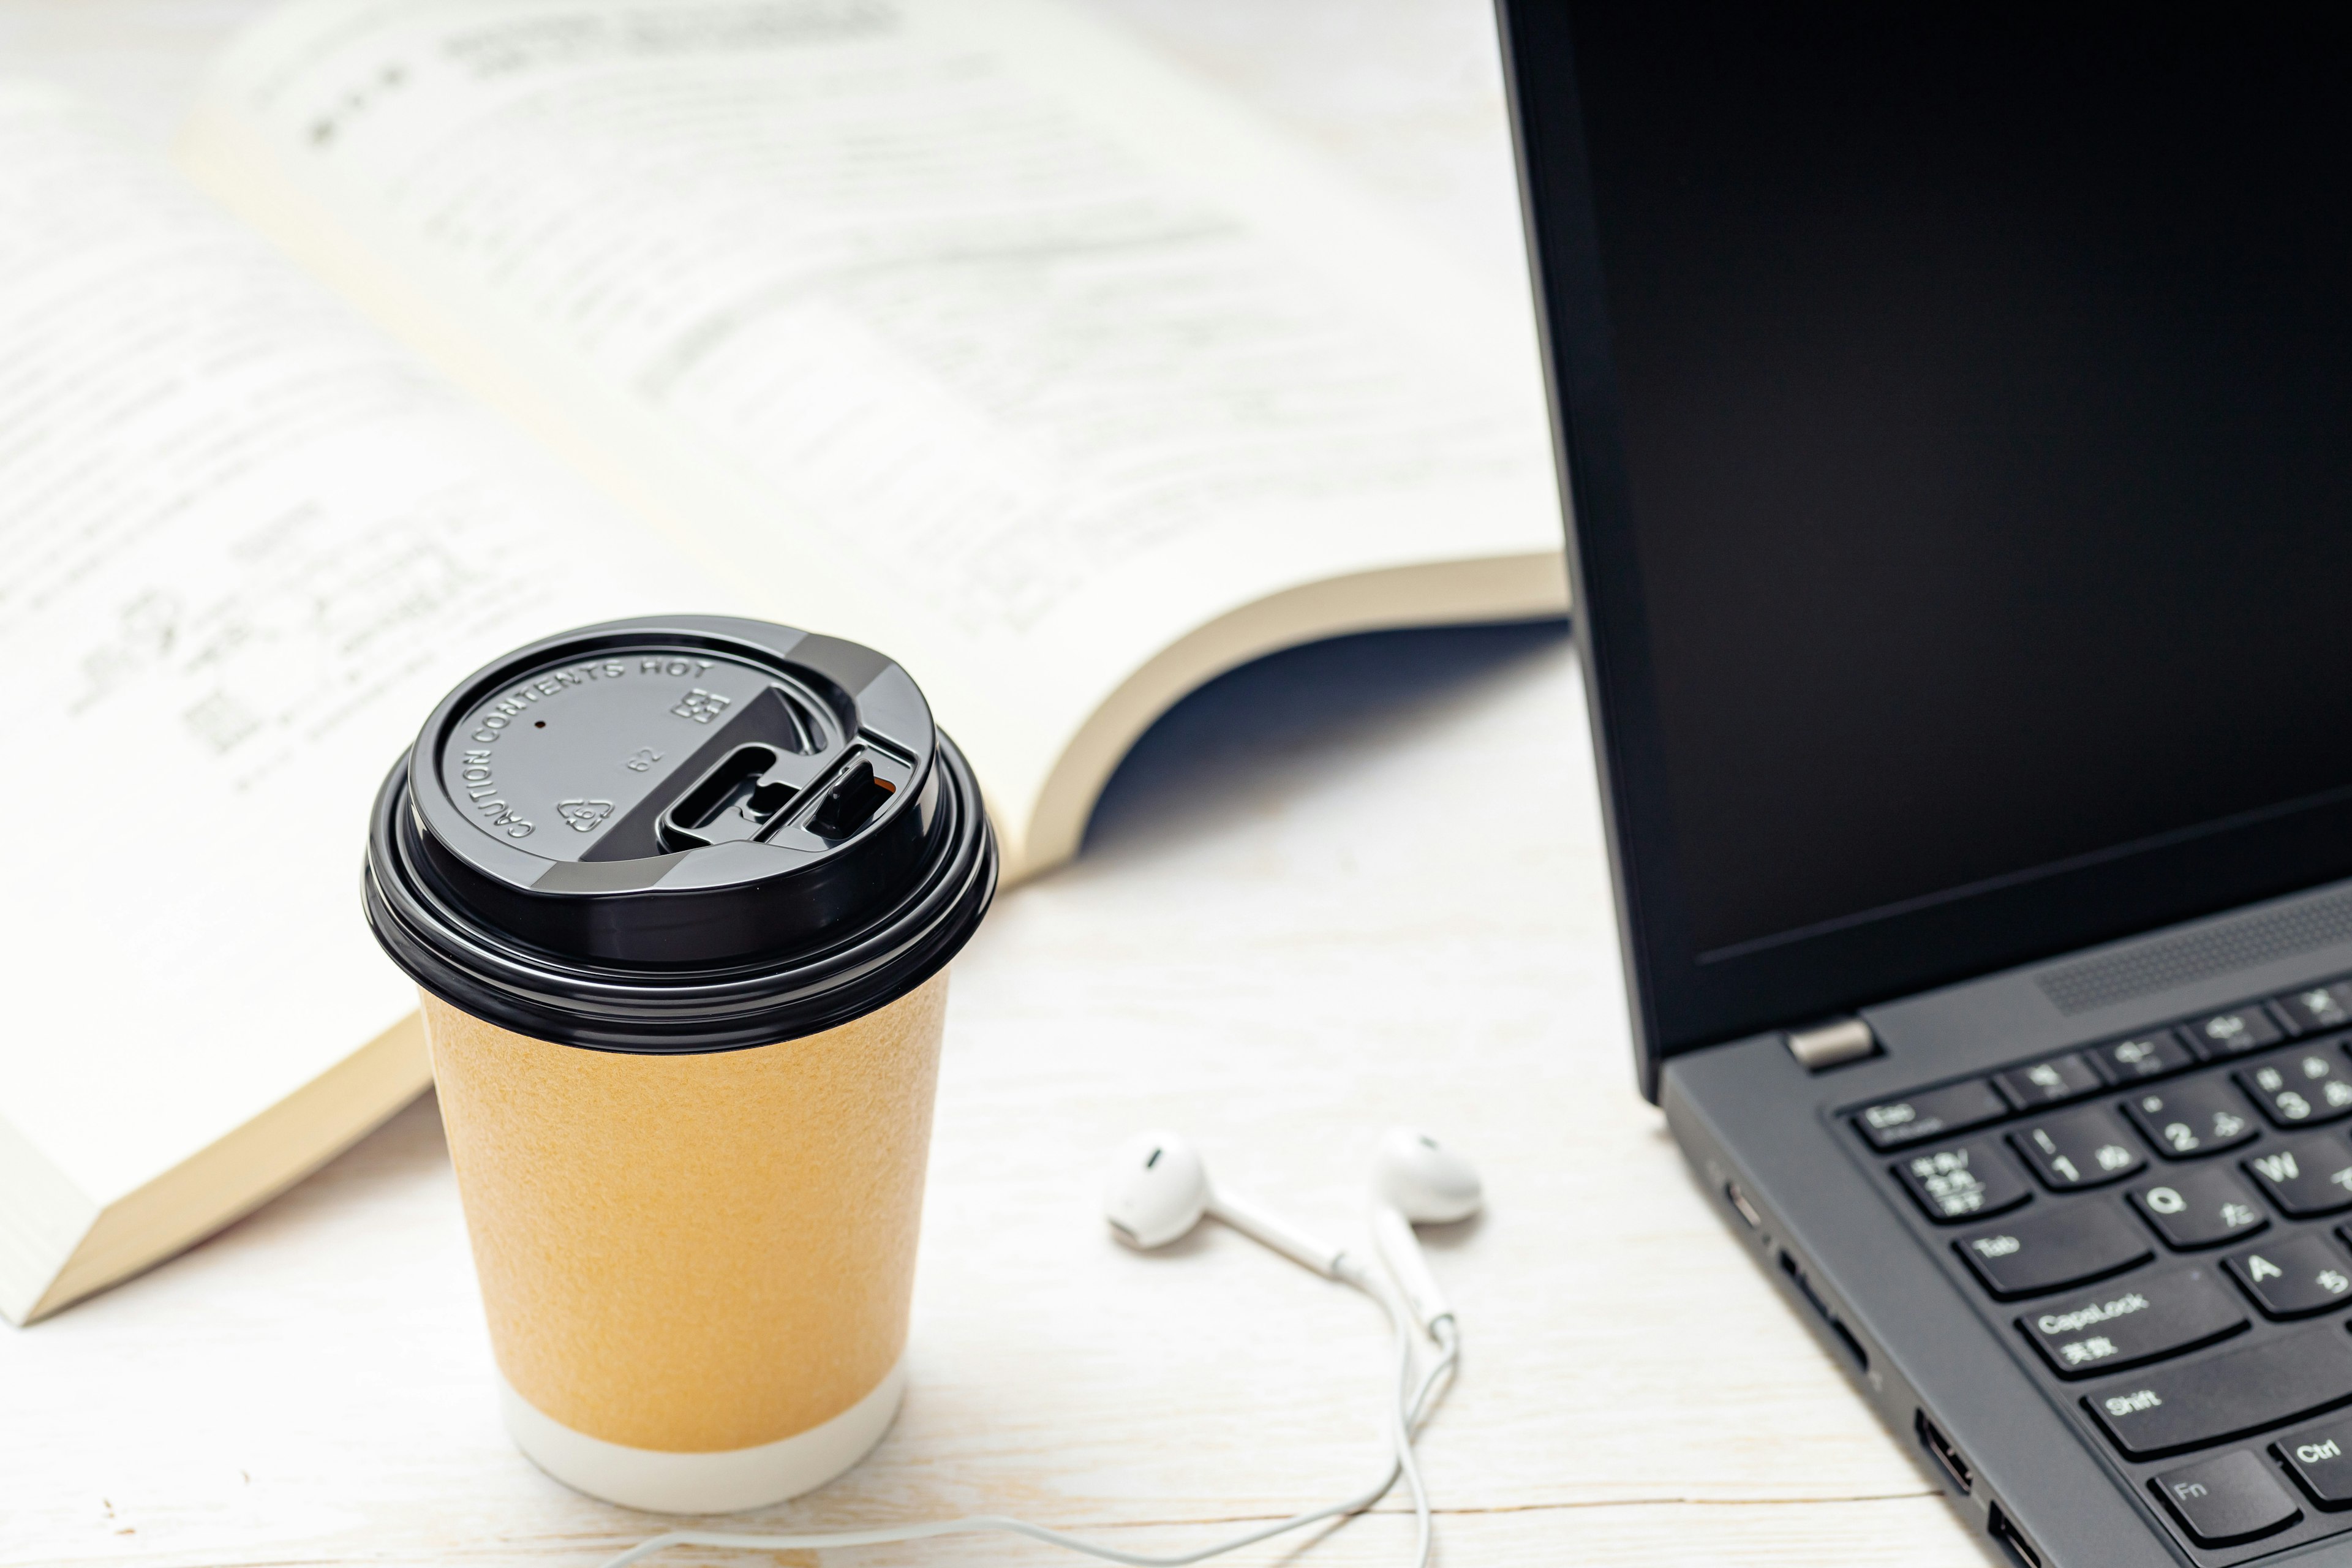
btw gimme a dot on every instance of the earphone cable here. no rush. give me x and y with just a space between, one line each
1404 1414
1409 1412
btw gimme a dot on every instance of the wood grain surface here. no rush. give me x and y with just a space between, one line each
1357 884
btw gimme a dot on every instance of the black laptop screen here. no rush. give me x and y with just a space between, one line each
1974 454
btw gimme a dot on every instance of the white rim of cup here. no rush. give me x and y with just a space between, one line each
722 1482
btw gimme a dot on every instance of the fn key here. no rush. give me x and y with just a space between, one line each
2223 1501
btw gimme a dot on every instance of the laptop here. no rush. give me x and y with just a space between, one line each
1955 405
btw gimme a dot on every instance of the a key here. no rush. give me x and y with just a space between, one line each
2294 1276
1953 1108
2072 1243
2233 1034
2223 1501
2052 1082
1962 1181
2178 1405
2151 1055
2320 1459
2087 1148
2203 1116
2303 1087
2305 1176
2316 1007
2203 1206
2126 1324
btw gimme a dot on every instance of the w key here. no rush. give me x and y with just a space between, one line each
2305 1176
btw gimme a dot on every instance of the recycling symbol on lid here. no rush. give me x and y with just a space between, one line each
584 814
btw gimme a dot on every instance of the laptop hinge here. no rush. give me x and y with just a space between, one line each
1833 1044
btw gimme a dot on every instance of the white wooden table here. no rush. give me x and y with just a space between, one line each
1358 884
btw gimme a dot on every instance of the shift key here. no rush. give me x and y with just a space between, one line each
2071 1244
2171 1409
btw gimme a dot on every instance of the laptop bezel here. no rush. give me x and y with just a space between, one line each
1677 1002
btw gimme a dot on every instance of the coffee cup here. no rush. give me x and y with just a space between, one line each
680 895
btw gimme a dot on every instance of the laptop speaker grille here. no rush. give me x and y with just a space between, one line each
2199 954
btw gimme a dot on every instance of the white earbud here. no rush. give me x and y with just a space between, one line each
1418 1180
1158 1189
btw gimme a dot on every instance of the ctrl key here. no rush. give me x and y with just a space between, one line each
2320 1459
2224 1500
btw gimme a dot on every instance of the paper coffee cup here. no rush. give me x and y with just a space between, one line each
680 895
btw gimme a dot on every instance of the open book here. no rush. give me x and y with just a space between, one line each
968 330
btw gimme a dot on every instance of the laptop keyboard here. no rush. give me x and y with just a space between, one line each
2167 1220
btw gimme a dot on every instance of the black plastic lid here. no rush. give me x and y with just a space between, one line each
678 833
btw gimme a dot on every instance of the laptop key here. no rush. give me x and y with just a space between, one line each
2316 1007
2191 1120
2180 1406
2145 1056
2202 1206
2223 1501
2071 1244
2085 1147
2320 1459
1962 1181
2304 1087
2234 1032
2305 1176
2121 1325
2052 1082
1952 1108
2292 1277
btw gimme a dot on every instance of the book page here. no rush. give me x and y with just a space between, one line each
961 327
249 545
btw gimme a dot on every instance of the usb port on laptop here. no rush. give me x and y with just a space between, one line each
1953 1463
2004 1529
1796 1272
